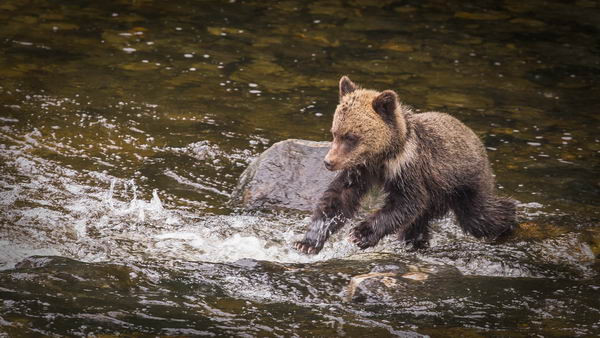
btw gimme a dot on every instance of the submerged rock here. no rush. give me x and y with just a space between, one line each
288 175
397 284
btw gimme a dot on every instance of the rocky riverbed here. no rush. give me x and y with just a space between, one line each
125 127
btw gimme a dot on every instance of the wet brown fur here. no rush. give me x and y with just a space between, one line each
428 164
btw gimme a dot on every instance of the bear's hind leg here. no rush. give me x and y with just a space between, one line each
485 215
417 234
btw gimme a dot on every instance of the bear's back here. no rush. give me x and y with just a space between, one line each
449 147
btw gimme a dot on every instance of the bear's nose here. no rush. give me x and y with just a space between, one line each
328 165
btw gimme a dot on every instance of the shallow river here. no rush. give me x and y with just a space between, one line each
124 126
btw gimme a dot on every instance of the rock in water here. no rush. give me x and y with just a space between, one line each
288 175
399 284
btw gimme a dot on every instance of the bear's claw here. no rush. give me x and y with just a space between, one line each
306 247
362 236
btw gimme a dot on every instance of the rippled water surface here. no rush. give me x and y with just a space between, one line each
124 126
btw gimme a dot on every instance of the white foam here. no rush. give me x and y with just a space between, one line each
106 218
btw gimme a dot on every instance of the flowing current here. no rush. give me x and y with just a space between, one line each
124 127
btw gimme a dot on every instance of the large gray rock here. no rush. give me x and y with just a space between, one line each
288 175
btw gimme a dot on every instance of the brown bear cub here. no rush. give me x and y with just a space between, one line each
427 163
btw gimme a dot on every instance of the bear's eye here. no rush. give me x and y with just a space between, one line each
351 138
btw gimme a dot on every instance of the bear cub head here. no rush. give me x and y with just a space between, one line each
367 126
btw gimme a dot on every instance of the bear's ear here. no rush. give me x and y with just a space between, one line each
346 86
385 105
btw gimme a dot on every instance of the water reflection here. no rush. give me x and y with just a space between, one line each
125 125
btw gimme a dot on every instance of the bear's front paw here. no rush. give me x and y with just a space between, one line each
308 246
363 236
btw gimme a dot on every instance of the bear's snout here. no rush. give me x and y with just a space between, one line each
336 156
331 162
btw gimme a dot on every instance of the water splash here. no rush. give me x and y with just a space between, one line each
136 210
105 218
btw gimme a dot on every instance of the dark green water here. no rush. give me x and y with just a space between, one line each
124 126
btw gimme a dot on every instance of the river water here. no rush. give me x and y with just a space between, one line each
124 126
